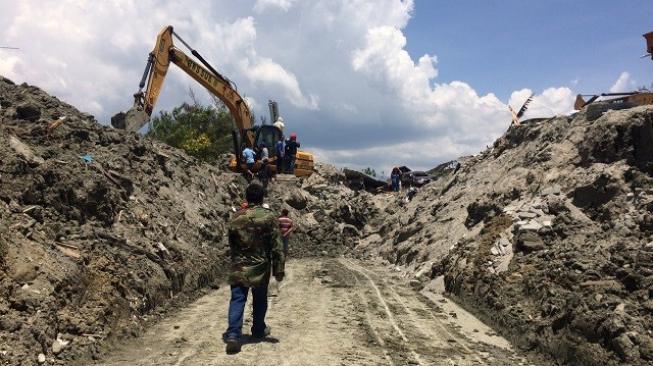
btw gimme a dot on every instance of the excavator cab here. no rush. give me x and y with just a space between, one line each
268 135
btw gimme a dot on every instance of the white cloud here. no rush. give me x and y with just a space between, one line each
262 5
623 84
551 102
339 70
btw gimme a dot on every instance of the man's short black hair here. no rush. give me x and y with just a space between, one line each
254 194
284 212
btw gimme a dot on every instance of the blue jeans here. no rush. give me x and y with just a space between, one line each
237 308
285 244
395 184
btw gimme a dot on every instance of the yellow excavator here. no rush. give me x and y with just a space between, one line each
245 133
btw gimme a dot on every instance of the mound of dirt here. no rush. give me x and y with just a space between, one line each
99 227
547 235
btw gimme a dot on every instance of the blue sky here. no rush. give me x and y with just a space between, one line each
363 82
501 46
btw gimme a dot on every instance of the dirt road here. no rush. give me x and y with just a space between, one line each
329 312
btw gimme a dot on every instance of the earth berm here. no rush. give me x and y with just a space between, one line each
546 236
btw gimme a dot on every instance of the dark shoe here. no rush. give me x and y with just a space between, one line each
233 346
266 332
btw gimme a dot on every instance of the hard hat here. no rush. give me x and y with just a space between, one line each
280 119
293 136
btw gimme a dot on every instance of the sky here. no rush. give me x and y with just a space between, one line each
362 82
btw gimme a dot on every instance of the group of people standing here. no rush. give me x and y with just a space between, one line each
286 153
285 157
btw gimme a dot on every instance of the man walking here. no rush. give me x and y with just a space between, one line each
286 227
256 250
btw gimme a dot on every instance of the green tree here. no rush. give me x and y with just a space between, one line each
369 171
202 131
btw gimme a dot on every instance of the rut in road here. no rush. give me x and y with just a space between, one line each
326 312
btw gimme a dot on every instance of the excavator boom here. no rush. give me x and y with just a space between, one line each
159 60
155 72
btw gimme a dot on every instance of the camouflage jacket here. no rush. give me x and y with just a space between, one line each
256 247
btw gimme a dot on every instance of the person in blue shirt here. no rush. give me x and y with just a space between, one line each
280 149
248 156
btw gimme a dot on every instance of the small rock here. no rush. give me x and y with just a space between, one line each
536 211
57 347
416 284
526 215
504 250
504 242
531 226
529 241
494 251
41 358
621 308
59 344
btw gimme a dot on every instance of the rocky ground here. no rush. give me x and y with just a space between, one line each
547 235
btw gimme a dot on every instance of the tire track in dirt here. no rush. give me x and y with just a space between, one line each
415 320
423 324
331 312
390 315
313 323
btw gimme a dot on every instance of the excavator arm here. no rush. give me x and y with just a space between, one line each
156 69
159 60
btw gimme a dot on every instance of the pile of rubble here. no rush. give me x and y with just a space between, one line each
330 217
547 235
100 229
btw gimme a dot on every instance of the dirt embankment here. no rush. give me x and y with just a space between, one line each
547 235
99 228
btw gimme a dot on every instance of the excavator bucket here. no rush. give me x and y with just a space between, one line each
132 120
